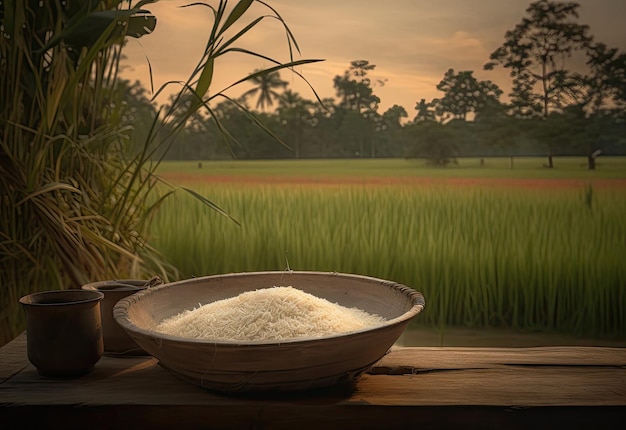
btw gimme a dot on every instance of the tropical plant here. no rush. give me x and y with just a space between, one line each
266 85
71 207
74 189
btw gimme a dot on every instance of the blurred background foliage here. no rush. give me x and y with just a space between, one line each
75 175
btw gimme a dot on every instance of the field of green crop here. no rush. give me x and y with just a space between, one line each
527 248
519 167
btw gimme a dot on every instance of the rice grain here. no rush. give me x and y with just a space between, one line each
276 313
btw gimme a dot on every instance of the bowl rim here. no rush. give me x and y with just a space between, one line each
120 310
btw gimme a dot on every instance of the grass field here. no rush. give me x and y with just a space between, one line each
368 169
528 248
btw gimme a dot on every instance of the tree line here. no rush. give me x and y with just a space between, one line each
567 97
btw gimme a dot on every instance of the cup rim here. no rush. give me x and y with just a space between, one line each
90 296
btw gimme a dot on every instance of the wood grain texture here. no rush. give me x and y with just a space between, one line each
409 388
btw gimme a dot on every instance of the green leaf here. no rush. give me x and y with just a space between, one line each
210 204
87 30
279 66
84 31
236 13
141 25
236 37
205 78
53 186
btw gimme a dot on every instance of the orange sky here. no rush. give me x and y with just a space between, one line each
411 42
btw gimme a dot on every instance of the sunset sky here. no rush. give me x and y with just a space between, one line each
411 42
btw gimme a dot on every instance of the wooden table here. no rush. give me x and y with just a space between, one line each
500 388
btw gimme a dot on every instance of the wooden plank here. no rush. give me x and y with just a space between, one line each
148 384
405 376
508 387
13 357
409 387
424 358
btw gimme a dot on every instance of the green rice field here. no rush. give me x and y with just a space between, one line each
490 245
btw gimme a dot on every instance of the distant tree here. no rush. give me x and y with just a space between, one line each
389 131
497 132
266 86
536 51
190 125
136 112
594 120
356 108
464 94
607 80
354 88
324 128
295 115
432 141
393 115
524 102
464 137
426 111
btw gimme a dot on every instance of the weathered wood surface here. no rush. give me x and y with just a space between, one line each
575 387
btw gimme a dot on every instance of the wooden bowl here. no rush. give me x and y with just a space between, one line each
297 364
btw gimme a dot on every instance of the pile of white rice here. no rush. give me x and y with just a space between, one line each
276 313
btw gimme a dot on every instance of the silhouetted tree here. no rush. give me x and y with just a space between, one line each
354 88
535 51
136 111
393 115
357 107
464 94
389 131
426 111
295 116
433 141
266 86
498 133
324 128
607 80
